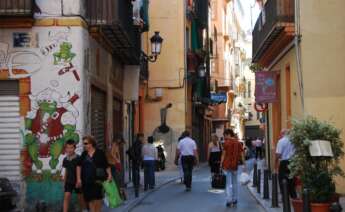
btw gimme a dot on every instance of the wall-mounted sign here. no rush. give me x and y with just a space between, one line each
219 97
24 40
265 86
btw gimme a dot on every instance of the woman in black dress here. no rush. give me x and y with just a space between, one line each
214 154
92 170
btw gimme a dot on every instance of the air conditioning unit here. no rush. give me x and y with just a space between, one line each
159 92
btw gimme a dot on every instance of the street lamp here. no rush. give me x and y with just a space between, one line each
156 47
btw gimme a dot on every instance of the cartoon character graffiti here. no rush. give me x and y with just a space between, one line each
24 60
55 40
52 121
65 54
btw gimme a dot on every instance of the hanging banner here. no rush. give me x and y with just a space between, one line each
265 87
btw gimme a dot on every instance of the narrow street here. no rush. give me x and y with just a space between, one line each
172 198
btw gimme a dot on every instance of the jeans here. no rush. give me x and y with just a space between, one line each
231 185
284 174
258 152
136 177
149 173
187 165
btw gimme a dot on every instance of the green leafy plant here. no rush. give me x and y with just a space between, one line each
254 67
316 173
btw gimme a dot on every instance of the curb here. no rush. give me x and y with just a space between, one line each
260 201
140 199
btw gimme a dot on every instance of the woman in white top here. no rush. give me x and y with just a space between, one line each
149 154
214 154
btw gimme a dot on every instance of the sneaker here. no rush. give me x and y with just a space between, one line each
188 189
228 204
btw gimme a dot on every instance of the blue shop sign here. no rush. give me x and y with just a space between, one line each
219 97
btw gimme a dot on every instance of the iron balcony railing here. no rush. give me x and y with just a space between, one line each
16 7
115 19
275 16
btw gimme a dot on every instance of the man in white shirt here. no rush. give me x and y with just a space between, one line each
284 152
258 148
189 156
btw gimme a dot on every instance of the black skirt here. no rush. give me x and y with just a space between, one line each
214 161
92 191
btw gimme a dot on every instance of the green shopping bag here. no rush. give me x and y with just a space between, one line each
112 194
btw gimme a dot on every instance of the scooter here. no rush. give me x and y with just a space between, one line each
160 163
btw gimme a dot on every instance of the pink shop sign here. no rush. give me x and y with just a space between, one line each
266 87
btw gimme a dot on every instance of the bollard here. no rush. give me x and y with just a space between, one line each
335 207
286 197
255 175
258 182
275 191
306 201
266 184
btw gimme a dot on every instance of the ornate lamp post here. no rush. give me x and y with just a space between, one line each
156 47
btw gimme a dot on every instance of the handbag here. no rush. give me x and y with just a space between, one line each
218 180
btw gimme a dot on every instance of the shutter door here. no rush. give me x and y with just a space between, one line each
98 111
10 137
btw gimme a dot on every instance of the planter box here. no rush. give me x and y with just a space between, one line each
315 207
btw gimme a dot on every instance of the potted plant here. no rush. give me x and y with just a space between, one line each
316 173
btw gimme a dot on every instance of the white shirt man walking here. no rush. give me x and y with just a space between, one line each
189 156
284 152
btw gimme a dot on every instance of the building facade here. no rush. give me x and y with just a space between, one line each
173 77
294 39
64 68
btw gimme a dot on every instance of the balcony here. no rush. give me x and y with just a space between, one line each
16 13
111 22
273 30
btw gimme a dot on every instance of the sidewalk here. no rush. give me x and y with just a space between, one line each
162 178
267 203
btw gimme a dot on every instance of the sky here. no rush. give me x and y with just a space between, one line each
248 11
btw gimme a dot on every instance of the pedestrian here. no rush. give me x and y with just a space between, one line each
150 156
258 148
93 169
187 149
69 164
114 160
231 157
284 152
134 153
178 162
214 154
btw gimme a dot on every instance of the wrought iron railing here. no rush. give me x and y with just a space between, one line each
274 17
16 7
115 18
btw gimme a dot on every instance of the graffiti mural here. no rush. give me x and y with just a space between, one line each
51 121
18 60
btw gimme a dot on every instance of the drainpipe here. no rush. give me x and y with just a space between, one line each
297 40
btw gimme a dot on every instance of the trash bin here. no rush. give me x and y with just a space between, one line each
7 195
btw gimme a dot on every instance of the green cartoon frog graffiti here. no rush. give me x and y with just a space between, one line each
65 54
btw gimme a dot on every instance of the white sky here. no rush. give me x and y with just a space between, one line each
247 12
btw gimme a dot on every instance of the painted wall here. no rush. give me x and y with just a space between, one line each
323 42
168 72
51 60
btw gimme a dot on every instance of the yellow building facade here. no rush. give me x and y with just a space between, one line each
320 89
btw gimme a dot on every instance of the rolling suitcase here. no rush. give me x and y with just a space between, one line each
218 180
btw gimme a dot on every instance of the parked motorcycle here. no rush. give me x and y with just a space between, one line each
160 162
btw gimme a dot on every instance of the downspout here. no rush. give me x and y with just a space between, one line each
297 40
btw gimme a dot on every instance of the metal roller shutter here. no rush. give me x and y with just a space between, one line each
98 119
10 137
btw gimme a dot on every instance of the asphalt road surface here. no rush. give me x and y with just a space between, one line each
174 198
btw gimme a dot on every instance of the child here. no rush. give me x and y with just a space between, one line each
70 176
